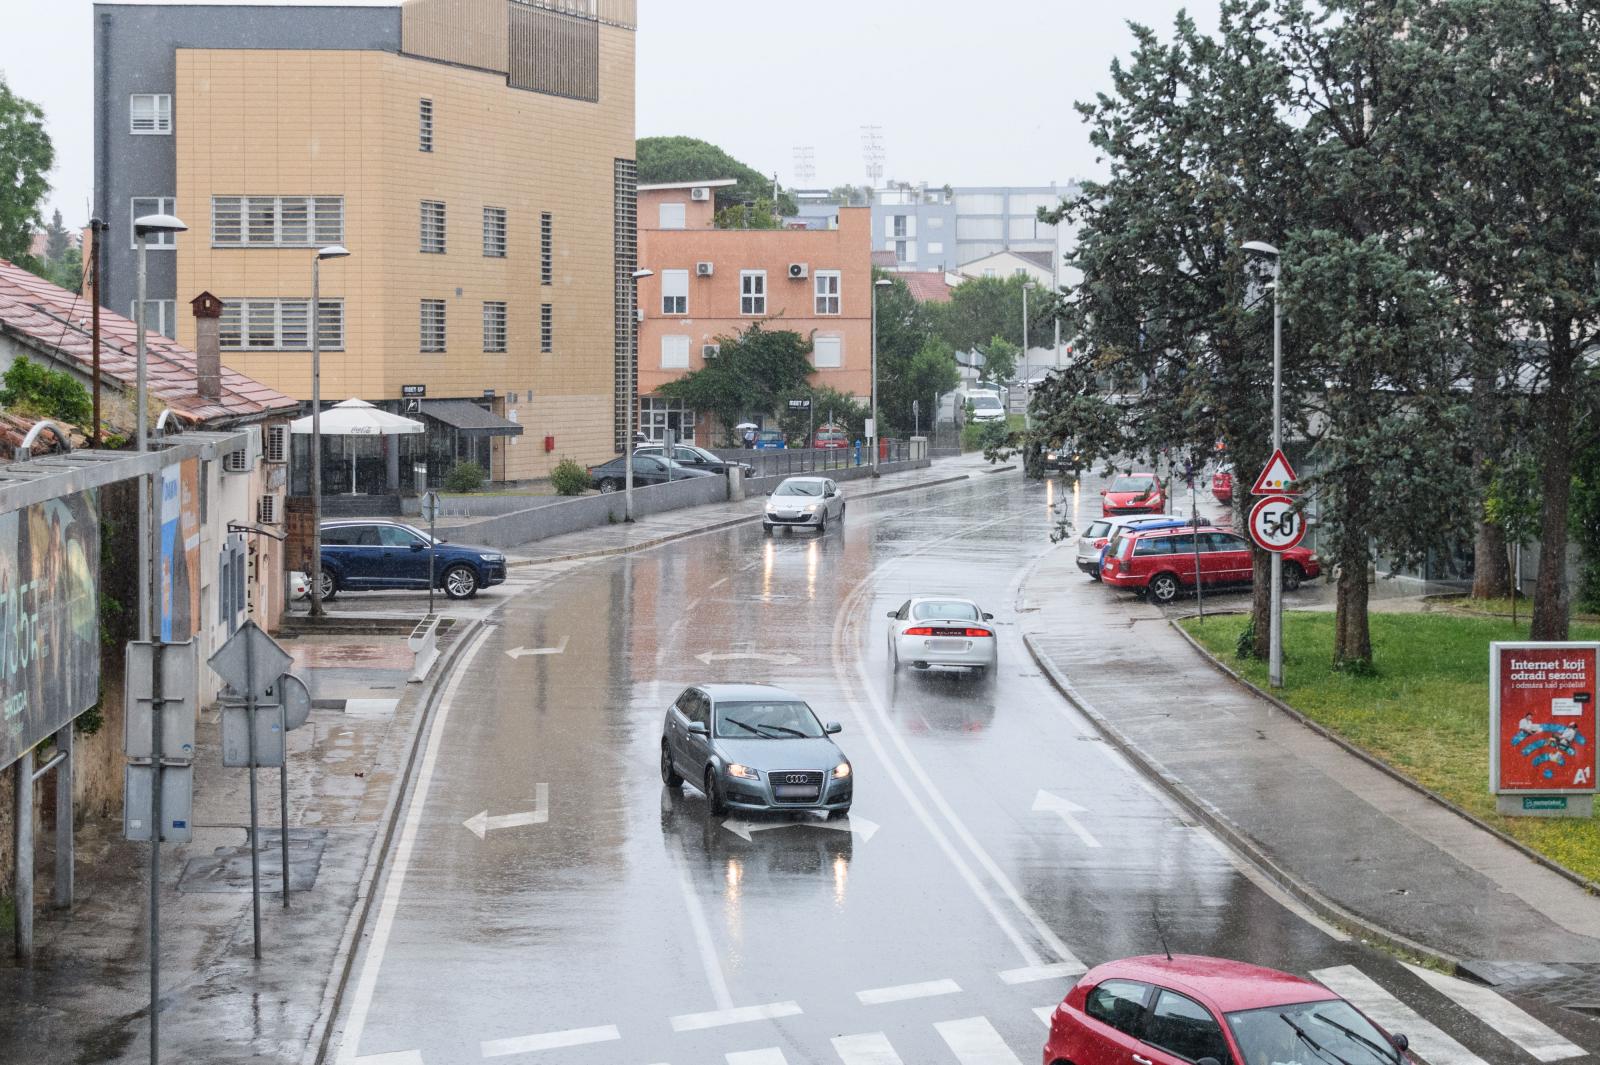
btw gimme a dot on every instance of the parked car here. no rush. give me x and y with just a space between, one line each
1222 485
769 440
695 457
831 438
1211 1011
942 632
987 406
803 501
1098 533
299 585
365 554
1161 563
1134 493
647 469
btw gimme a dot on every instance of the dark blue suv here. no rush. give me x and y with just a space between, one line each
364 554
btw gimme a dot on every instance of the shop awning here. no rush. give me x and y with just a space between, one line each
465 416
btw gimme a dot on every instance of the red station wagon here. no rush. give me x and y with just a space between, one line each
1161 562
1209 1011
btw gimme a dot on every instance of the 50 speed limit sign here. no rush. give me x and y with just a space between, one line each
1275 525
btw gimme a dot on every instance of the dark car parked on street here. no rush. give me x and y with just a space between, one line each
367 554
647 469
696 457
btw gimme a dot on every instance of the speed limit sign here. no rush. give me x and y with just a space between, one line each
1275 525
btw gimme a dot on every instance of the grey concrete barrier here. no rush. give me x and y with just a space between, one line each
557 515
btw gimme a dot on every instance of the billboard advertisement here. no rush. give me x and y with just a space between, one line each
179 542
1542 717
49 619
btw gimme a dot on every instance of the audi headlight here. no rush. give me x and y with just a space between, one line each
743 772
841 771
493 558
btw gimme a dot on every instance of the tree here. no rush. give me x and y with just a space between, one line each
40 392
57 239
26 156
982 308
669 159
748 376
757 215
827 405
999 359
913 363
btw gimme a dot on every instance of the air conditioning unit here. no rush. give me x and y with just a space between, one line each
709 351
700 195
267 510
799 271
702 270
277 444
243 460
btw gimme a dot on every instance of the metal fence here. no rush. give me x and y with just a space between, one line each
786 461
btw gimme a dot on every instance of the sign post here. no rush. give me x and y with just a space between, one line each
1277 484
430 514
1542 723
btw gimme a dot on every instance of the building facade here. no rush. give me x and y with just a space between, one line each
474 157
710 283
945 228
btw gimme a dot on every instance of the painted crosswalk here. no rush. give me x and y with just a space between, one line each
1428 1041
974 1041
1516 1024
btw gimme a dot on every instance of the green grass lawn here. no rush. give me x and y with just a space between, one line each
1425 710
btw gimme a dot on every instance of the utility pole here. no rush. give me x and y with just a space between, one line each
96 227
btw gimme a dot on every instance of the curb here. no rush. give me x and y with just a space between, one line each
603 552
1385 768
1231 834
344 958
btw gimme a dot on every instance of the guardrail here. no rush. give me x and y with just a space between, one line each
772 462
424 643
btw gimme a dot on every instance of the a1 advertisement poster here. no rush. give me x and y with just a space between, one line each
1543 717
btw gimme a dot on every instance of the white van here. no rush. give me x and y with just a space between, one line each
986 405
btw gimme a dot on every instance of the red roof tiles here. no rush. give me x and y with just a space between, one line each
927 286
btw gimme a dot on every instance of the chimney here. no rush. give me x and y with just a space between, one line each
207 345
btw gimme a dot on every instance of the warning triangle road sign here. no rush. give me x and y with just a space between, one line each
1277 479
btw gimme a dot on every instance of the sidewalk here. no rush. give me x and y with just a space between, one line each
86 996
1333 829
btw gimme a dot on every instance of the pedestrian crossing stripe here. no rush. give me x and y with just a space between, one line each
1511 1021
1428 1041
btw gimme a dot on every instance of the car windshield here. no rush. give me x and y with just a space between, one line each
953 609
1097 529
767 721
1293 1034
985 403
1129 483
799 488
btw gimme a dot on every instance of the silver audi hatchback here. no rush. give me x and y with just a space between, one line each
754 747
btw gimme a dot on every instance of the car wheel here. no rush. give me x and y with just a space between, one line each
894 655
714 803
460 582
841 511
766 528
608 486
1292 576
328 587
669 776
822 522
1163 588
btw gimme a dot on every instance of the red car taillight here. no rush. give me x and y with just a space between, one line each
979 632
921 630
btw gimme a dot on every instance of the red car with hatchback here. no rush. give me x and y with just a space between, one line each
1191 1010
1222 486
1134 493
1162 562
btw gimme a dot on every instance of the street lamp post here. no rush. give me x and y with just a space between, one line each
629 400
1027 286
872 437
1275 638
333 251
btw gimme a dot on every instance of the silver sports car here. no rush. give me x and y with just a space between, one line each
754 747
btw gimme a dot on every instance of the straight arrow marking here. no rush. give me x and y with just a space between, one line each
481 824
519 652
858 825
1068 811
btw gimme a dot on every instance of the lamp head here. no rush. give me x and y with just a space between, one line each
1260 247
145 225
333 251
640 275
884 282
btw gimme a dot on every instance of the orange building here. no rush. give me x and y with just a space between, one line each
710 283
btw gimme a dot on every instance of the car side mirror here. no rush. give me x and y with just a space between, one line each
698 728
1102 491
1399 1041
833 728
988 617
416 545
895 614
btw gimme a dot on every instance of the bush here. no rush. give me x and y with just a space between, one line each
984 436
465 477
569 478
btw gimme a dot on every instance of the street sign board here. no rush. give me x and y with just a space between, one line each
799 404
236 736
1275 524
413 391
1277 478
430 507
296 700
251 662
177 799
1542 724
180 682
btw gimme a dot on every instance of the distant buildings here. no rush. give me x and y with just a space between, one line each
946 228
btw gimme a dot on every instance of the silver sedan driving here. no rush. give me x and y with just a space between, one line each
808 502
942 632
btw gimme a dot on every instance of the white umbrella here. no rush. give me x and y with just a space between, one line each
357 417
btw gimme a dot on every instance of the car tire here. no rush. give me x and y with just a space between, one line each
1162 589
608 486
1292 576
669 775
715 806
835 814
329 587
894 656
460 582
841 511
766 528
822 523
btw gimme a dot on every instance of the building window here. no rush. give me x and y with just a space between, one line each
674 353
657 416
905 251
675 292
494 232
827 352
547 258
279 325
827 285
425 125
150 114
752 292
494 326
433 227
432 334
276 221
547 327
143 205
160 316
897 225
673 216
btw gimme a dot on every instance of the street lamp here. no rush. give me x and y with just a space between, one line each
143 227
1275 639
1027 286
629 399
333 251
872 437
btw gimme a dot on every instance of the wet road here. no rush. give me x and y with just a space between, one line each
996 845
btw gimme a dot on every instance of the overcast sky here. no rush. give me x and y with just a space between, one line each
965 93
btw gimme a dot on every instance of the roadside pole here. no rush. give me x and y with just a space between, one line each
430 514
1194 520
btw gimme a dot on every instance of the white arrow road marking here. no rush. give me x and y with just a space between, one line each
857 825
785 659
1069 812
519 652
482 824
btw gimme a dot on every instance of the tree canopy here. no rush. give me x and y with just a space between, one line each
662 160
26 156
749 375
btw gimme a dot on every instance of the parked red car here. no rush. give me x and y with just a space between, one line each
1209 1011
1222 486
1161 562
1134 493
831 438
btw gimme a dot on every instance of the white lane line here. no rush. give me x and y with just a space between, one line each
710 960
902 992
975 1042
1513 1022
572 1037
1428 1042
1267 885
769 1056
871 1048
399 1057
1028 974
1044 1013
383 927
718 584
694 1022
